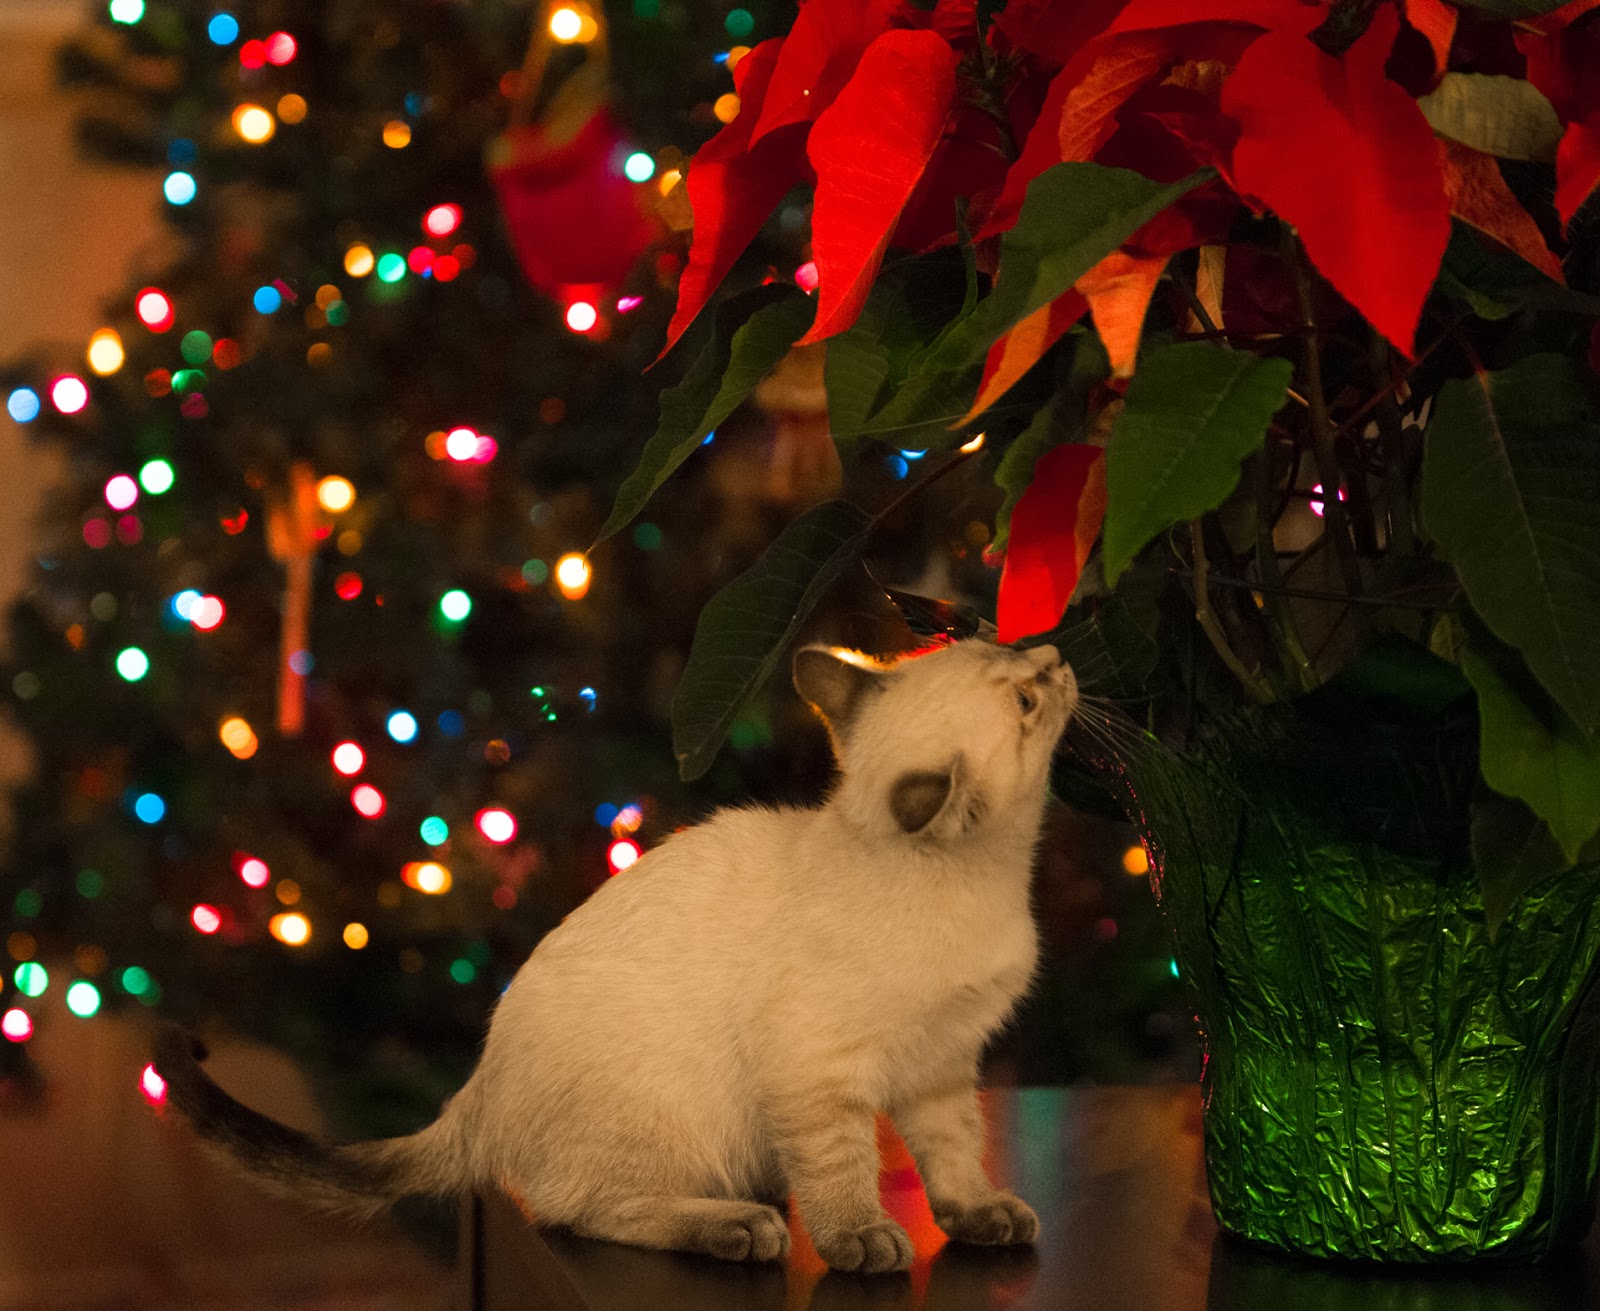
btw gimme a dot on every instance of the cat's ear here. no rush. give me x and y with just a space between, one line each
835 681
934 800
916 799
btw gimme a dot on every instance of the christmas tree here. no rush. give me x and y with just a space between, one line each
333 717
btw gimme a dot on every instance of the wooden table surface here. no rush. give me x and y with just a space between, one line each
1116 1175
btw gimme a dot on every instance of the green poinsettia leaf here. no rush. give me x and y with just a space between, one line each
1193 411
745 628
1510 485
855 372
750 335
1529 748
1073 216
1504 116
1512 850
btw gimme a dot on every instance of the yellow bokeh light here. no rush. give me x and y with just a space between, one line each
566 24
348 542
359 260
356 936
726 108
287 892
735 55
976 444
427 876
1135 861
237 735
573 574
291 928
396 134
327 293
335 494
318 354
292 108
668 180
105 352
254 124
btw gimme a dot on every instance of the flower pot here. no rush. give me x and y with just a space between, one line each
1384 1079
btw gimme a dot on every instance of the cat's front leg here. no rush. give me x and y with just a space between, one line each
829 1147
944 1130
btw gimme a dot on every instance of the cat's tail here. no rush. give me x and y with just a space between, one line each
359 1179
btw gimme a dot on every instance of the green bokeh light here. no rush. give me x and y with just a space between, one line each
195 347
391 267
31 978
434 831
136 981
132 663
157 477
91 883
455 605
739 22
463 971
83 999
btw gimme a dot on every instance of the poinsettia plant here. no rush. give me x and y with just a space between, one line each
1276 323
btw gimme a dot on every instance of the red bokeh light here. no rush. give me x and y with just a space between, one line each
208 919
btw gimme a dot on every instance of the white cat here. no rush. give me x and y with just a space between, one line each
714 1029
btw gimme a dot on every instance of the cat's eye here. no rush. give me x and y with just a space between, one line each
1027 700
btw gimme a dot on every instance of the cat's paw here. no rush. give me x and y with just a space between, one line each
760 1234
1000 1218
870 1250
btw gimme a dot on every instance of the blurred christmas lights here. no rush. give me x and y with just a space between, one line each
126 11
291 108
152 1085
17 1024
290 928
426 876
223 29
132 664
207 612
455 605
442 220
254 124
154 309
179 187
1135 860
368 801
622 853
83 999
281 48
582 316
23 404
497 825
396 135
207 919
358 260
348 758
639 167
252 870
461 444
238 737
31 978
573 575
105 352
68 393
355 935
121 491
435 832
336 494
149 808
402 726
806 277
156 477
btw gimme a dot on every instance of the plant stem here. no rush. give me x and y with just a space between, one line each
1396 463
1284 628
1321 428
1252 683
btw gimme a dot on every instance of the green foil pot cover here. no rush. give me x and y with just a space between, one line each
1382 1079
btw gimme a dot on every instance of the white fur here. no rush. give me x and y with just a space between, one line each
721 1020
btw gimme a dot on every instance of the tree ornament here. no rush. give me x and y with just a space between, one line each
576 221
293 523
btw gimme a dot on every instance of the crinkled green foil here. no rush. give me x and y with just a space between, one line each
1382 1081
